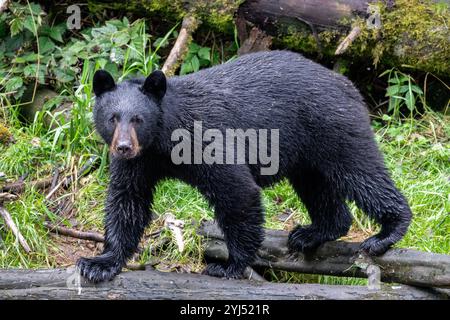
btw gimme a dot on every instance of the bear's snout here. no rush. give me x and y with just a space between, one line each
124 148
125 143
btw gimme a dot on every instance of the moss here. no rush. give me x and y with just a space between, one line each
5 135
216 14
414 33
302 39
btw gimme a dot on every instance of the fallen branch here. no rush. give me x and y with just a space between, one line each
11 225
345 44
84 235
6 197
339 258
151 284
180 48
18 187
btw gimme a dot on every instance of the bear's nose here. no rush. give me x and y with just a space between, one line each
124 147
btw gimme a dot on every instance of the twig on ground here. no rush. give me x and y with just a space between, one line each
84 235
5 197
18 187
11 225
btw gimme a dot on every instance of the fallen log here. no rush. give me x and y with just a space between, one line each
339 258
318 26
151 284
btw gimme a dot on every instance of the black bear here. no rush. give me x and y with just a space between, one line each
326 150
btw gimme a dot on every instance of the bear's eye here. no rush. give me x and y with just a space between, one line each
137 119
112 119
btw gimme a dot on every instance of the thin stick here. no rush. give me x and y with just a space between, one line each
5 197
90 235
18 187
345 44
180 48
55 178
11 225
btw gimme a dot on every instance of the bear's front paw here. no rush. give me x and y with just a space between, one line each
223 271
98 269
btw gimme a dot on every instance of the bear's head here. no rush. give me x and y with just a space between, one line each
126 115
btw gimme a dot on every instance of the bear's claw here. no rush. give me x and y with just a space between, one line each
98 269
223 271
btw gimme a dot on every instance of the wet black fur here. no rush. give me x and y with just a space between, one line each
327 152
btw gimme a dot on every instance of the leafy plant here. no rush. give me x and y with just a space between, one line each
198 57
402 91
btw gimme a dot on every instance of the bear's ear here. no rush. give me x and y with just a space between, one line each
102 82
156 84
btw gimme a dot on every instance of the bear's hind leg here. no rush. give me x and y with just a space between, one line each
376 195
330 217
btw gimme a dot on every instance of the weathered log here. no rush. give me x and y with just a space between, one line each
151 284
318 26
323 13
339 258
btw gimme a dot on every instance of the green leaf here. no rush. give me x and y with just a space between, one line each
403 89
193 47
13 84
28 23
46 44
30 70
15 26
26 58
204 53
121 38
64 75
410 100
392 90
394 80
416 89
56 34
186 68
195 63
